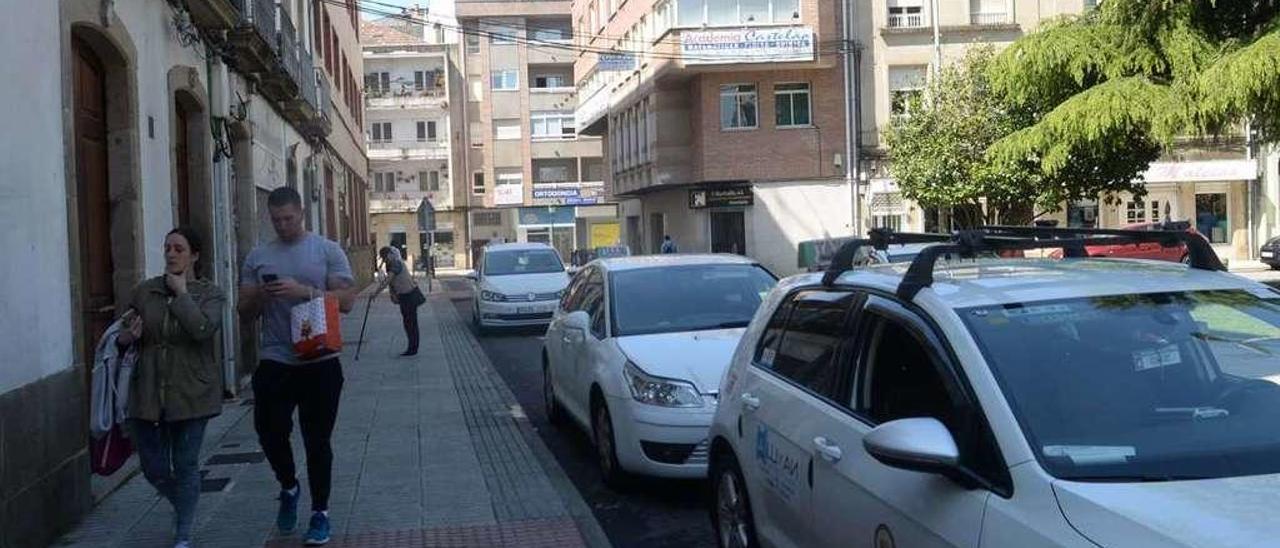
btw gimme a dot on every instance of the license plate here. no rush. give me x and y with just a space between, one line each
530 309
1267 254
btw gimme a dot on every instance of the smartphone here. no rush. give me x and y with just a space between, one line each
269 278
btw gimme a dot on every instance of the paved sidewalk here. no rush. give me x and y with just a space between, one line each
428 451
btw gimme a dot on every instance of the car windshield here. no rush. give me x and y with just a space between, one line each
1146 387
522 261
687 298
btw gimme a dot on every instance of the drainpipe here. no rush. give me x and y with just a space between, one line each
937 38
224 244
850 114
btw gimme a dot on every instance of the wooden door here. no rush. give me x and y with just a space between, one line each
93 196
182 160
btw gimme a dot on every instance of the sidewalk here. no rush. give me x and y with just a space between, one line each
432 451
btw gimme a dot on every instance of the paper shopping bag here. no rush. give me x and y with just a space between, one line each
314 328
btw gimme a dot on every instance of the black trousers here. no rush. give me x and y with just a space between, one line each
314 389
410 316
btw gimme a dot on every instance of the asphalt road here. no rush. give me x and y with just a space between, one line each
653 513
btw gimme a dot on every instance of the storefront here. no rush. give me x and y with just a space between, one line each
551 225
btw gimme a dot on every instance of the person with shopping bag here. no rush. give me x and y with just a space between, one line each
298 285
405 294
176 385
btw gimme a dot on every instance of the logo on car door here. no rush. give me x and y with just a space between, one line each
779 462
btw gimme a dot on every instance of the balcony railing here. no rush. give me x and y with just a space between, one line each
408 150
906 20
406 99
287 37
307 80
259 14
989 18
322 95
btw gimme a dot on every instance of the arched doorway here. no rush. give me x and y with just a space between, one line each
93 192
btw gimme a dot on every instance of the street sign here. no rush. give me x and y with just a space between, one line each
426 216
738 196
615 62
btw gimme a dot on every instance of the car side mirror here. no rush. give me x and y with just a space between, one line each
917 444
578 320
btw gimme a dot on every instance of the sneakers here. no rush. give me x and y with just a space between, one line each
287 517
318 532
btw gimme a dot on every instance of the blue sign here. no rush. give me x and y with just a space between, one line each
555 193
547 215
581 201
611 62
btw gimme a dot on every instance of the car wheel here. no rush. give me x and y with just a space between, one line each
606 447
555 413
475 322
731 510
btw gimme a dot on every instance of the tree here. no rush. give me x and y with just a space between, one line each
939 153
1107 88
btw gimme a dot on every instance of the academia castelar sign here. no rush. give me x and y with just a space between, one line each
616 62
738 196
758 45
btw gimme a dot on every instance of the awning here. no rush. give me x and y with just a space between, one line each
1208 171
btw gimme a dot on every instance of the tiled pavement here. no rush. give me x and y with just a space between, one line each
432 451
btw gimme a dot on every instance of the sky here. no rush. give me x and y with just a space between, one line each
379 6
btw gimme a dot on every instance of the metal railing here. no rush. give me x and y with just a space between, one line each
307 81
260 14
989 18
323 92
287 37
906 20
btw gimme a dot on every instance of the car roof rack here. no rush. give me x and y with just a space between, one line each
967 243
879 239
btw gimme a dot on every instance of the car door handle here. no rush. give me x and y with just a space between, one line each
829 451
749 402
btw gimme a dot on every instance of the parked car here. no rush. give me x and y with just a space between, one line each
517 284
1149 250
815 255
1004 403
1270 253
635 354
580 257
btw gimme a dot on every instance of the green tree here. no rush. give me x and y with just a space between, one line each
1106 88
939 152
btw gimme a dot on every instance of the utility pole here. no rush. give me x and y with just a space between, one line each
850 49
937 38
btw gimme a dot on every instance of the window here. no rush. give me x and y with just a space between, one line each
553 174
892 222
505 80
552 125
378 82
472 37
814 330
427 131
422 131
771 339
1135 212
906 14
692 13
475 89
502 33
593 302
514 177
476 132
384 181
593 169
697 13
546 81
791 102
488 218
666 300
551 32
506 129
906 88
381 132
477 183
433 181
425 79
738 106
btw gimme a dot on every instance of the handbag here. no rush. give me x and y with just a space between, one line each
108 453
314 328
413 298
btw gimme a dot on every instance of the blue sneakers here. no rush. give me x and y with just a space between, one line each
287 517
318 532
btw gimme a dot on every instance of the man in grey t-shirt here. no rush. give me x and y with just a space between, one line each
277 276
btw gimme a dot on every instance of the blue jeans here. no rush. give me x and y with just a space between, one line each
170 456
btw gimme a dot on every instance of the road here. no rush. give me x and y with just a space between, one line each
653 513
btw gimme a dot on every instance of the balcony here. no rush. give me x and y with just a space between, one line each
213 15
253 40
321 123
906 20
990 18
305 106
408 150
409 99
281 80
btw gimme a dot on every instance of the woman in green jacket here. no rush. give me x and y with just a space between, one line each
177 383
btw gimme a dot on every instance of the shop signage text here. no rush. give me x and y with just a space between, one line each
739 196
703 47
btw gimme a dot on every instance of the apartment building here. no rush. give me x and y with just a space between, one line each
133 118
532 176
723 121
412 79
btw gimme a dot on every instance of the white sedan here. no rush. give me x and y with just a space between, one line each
636 350
517 284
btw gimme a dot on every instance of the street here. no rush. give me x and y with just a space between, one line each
651 513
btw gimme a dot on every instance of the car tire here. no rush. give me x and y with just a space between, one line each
555 413
481 330
731 517
606 448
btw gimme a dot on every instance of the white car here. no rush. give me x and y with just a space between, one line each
1004 403
517 285
636 352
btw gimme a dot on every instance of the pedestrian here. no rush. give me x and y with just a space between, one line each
176 385
277 276
668 245
405 293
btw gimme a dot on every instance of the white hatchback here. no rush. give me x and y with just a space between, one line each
1004 403
517 284
636 351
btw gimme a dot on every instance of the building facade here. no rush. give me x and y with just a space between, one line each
411 86
530 173
138 117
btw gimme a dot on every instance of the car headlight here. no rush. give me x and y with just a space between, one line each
651 390
494 296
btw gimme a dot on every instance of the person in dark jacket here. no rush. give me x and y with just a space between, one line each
406 295
176 385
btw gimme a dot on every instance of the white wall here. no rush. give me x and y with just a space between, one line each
35 303
785 214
